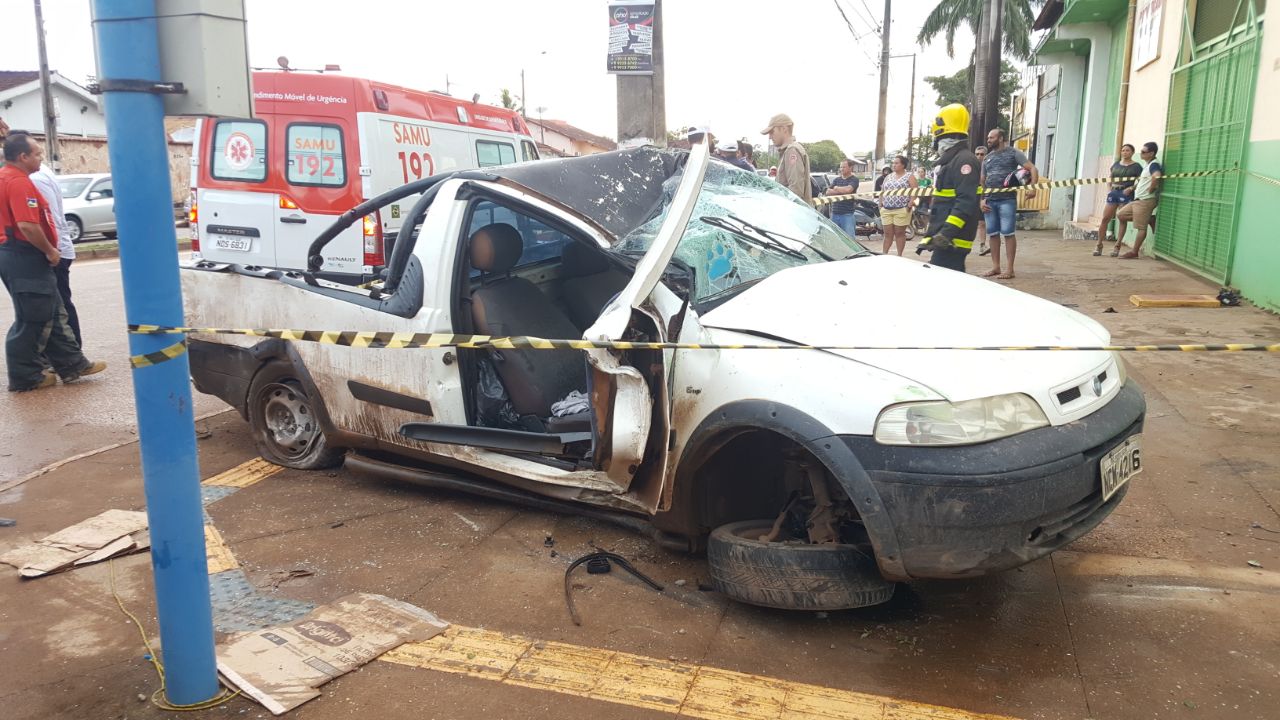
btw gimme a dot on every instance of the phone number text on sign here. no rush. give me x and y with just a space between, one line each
416 165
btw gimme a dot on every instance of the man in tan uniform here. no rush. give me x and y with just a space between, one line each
793 161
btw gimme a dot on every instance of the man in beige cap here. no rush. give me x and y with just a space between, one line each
793 161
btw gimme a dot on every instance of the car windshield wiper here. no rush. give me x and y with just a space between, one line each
764 241
729 291
772 235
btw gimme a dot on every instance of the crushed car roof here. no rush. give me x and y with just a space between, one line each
617 190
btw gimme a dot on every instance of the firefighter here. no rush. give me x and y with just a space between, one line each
953 220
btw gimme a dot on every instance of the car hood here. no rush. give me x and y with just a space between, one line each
891 301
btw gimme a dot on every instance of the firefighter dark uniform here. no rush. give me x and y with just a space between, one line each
953 219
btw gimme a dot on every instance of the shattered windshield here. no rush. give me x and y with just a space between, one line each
744 228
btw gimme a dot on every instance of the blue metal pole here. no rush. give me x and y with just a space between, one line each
128 49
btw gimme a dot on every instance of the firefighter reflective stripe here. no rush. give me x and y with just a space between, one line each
941 192
955 221
962 244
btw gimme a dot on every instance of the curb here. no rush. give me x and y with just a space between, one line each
114 252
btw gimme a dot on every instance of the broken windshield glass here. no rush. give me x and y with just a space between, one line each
781 232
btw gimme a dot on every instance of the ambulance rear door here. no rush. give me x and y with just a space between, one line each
320 182
236 204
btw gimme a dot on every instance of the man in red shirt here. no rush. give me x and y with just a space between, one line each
28 254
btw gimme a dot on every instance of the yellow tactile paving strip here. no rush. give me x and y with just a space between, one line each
244 474
682 689
216 550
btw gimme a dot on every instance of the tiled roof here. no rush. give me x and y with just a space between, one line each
574 133
13 78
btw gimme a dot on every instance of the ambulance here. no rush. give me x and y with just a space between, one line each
317 146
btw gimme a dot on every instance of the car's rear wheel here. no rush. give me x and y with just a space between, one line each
285 426
75 229
794 575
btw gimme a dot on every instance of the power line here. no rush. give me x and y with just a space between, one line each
872 28
870 14
854 32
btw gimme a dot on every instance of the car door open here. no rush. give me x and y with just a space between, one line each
626 388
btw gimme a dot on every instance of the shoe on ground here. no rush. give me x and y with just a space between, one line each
92 368
46 381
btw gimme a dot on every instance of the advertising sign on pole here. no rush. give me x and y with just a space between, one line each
631 37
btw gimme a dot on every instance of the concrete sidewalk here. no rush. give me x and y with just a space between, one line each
1155 614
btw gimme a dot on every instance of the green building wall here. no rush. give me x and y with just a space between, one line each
1256 266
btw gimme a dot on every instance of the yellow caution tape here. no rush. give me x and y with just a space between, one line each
1042 185
410 340
159 356
1265 178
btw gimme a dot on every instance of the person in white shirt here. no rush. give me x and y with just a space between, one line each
47 183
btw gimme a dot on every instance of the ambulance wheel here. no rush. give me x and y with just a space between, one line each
792 575
285 427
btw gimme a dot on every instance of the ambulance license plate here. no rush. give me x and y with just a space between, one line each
232 242
1123 462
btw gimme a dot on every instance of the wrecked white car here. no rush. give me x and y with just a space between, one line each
813 479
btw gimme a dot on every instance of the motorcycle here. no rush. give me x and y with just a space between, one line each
866 213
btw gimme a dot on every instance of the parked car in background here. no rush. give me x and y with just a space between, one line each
89 203
820 183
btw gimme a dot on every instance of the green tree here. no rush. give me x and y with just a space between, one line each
922 152
824 156
765 159
958 88
948 16
511 102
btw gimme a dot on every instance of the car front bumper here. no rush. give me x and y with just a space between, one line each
973 510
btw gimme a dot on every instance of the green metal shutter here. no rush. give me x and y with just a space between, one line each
1210 104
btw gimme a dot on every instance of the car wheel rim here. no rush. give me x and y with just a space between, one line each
74 232
288 422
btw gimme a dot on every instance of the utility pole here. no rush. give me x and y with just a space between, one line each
884 81
911 110
522 102
46 94
910 113
642 99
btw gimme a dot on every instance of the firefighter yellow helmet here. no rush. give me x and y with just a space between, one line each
952 120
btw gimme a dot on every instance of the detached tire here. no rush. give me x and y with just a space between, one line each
285 427
792 576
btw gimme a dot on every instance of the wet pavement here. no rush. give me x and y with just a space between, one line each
1156 614
90 413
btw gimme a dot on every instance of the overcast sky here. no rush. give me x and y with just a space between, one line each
731 64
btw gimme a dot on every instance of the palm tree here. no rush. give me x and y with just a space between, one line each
949 15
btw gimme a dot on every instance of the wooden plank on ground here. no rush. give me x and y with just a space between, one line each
1169 301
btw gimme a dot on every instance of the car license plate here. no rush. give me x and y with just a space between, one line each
232 242
1123 462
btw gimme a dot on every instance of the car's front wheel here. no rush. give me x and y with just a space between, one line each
285 427
75 229
792 575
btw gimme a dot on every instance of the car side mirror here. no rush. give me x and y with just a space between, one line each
95 195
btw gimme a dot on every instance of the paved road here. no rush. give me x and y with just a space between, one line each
97 411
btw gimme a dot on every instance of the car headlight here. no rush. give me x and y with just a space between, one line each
963 423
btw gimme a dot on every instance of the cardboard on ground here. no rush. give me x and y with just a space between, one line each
103 536
282 666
